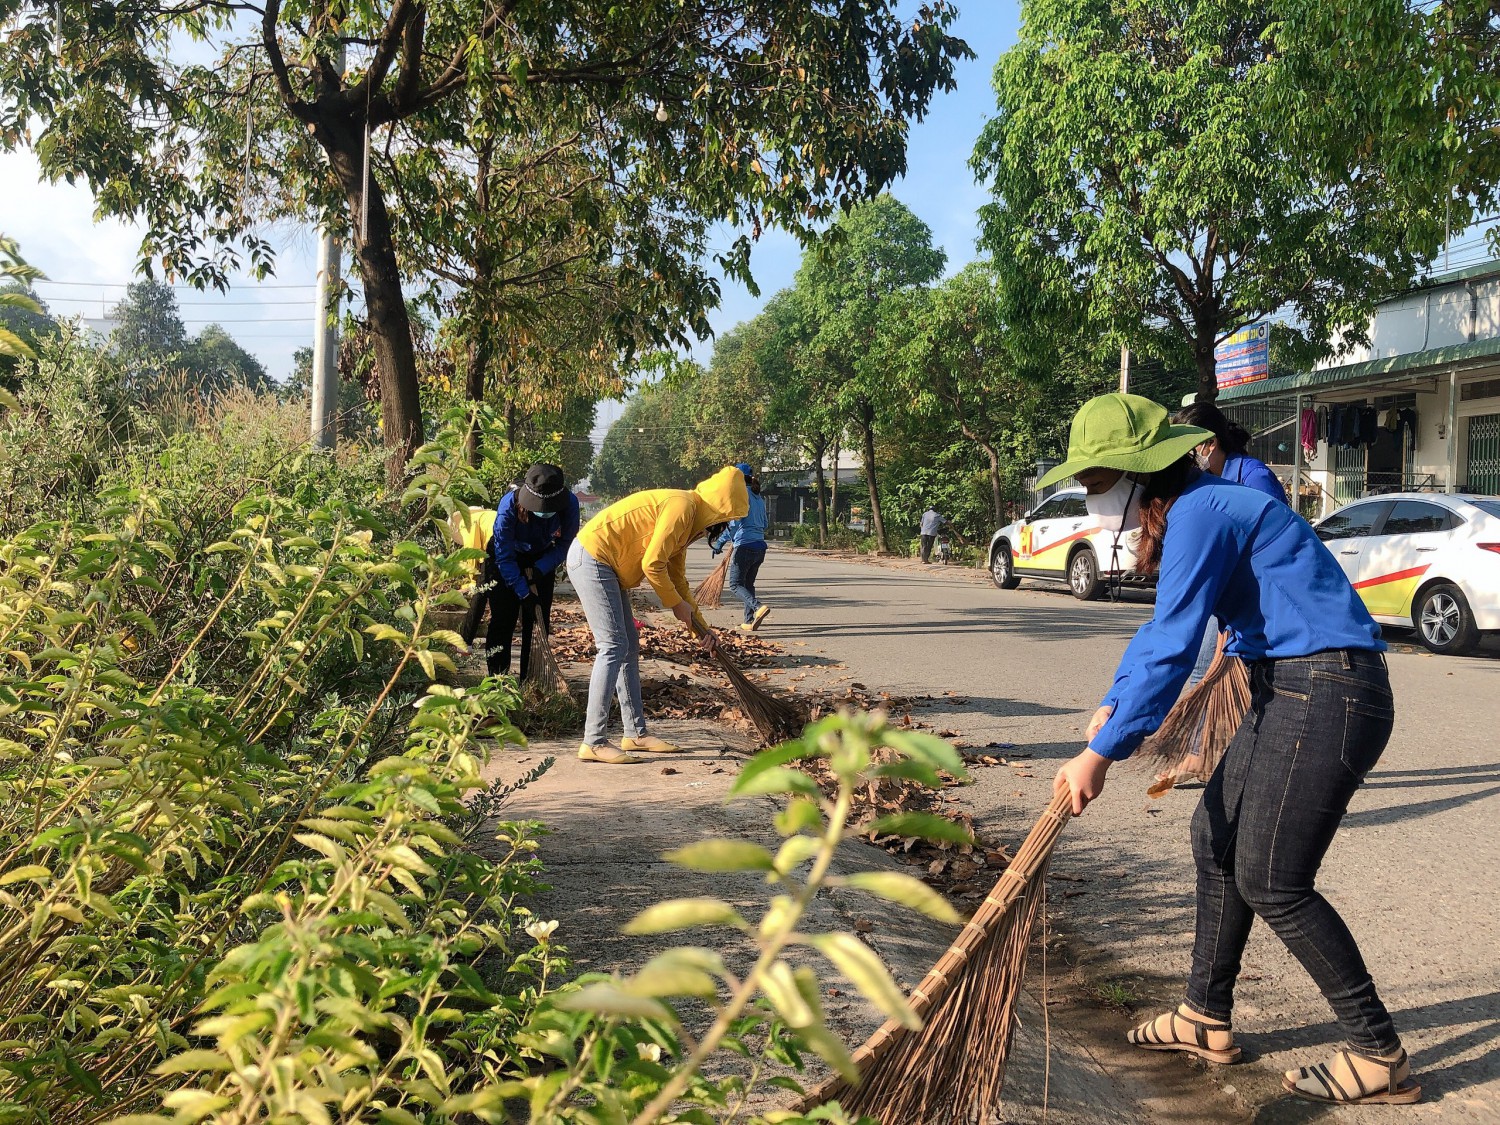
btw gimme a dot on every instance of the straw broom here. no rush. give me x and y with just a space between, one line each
952 1069
775 719
1201 724
710 591
544 671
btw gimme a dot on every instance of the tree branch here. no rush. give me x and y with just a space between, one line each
299 109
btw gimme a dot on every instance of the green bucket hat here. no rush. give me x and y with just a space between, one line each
1125 432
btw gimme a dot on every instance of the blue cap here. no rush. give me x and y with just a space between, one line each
746 469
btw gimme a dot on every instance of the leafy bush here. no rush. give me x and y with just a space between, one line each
232 861
620 1044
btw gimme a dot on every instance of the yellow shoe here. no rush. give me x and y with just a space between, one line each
746 628
760 615
607 753
650 744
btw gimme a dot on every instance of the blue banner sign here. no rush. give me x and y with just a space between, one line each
1244 356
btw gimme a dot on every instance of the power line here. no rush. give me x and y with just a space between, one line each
194 288
184 304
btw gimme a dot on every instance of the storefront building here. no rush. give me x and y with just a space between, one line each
1416 409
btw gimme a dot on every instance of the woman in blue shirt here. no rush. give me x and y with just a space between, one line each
1320 717
535 524
1225 453
748 537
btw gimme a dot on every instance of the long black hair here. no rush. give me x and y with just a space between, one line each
1159 492
1233 438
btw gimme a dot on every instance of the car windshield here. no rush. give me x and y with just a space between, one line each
1488 507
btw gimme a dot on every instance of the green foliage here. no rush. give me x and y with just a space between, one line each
1151 165
777 113
1413 89
233 861
645 448
21 313
620 1044
874 253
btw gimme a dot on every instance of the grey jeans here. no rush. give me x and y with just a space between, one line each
617 666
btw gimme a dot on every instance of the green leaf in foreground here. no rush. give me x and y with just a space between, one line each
925 826
722 855
893 886
858 962
682 914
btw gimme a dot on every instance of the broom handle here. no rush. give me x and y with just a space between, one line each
1032 854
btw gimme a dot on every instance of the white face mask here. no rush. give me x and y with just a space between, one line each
1116 509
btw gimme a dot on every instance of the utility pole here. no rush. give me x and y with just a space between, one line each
1124 369
325 370
325 367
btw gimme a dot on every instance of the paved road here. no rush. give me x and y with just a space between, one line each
1414 869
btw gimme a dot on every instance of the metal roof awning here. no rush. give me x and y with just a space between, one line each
1373 372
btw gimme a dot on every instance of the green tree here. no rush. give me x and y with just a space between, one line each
644 448
1414 88
876 250
217 362
148 329
1145 157
23 317
763 113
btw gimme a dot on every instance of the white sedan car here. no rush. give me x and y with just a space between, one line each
1058 541
1426 561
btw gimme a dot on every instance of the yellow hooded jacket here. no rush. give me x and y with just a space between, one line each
646 535
473 528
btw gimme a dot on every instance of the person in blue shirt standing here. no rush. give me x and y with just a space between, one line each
1320 716
1226 452
535 524
748 537
932 524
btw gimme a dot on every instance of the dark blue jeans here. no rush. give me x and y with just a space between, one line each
1316 726
744 565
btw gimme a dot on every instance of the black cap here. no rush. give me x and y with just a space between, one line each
542 490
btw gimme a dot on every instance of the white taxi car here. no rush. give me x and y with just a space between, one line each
1058 541
1425 561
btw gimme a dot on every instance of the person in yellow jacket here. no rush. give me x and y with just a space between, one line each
472 528
643 537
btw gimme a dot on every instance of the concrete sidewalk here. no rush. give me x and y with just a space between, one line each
609 826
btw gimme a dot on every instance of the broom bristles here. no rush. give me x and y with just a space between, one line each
710 592
544 670
1203 722
775 719
952 1069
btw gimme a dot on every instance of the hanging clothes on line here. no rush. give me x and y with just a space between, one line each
1307 427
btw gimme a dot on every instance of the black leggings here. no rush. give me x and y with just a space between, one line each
505 606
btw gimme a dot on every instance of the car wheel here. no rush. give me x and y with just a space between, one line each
1444 621
1083 575
1003 568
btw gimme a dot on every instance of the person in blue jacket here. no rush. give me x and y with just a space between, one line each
748 537
1320 716
1226 452
535 524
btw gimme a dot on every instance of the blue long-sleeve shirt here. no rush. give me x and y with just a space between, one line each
1258 567
540 544
1253 473
750 529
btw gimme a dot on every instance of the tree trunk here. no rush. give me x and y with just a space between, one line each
385 305
474 384
819 452
1206 330
994 457
833 503
867 426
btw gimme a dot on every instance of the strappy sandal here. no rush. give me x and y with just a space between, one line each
1148 1038
1398 1089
